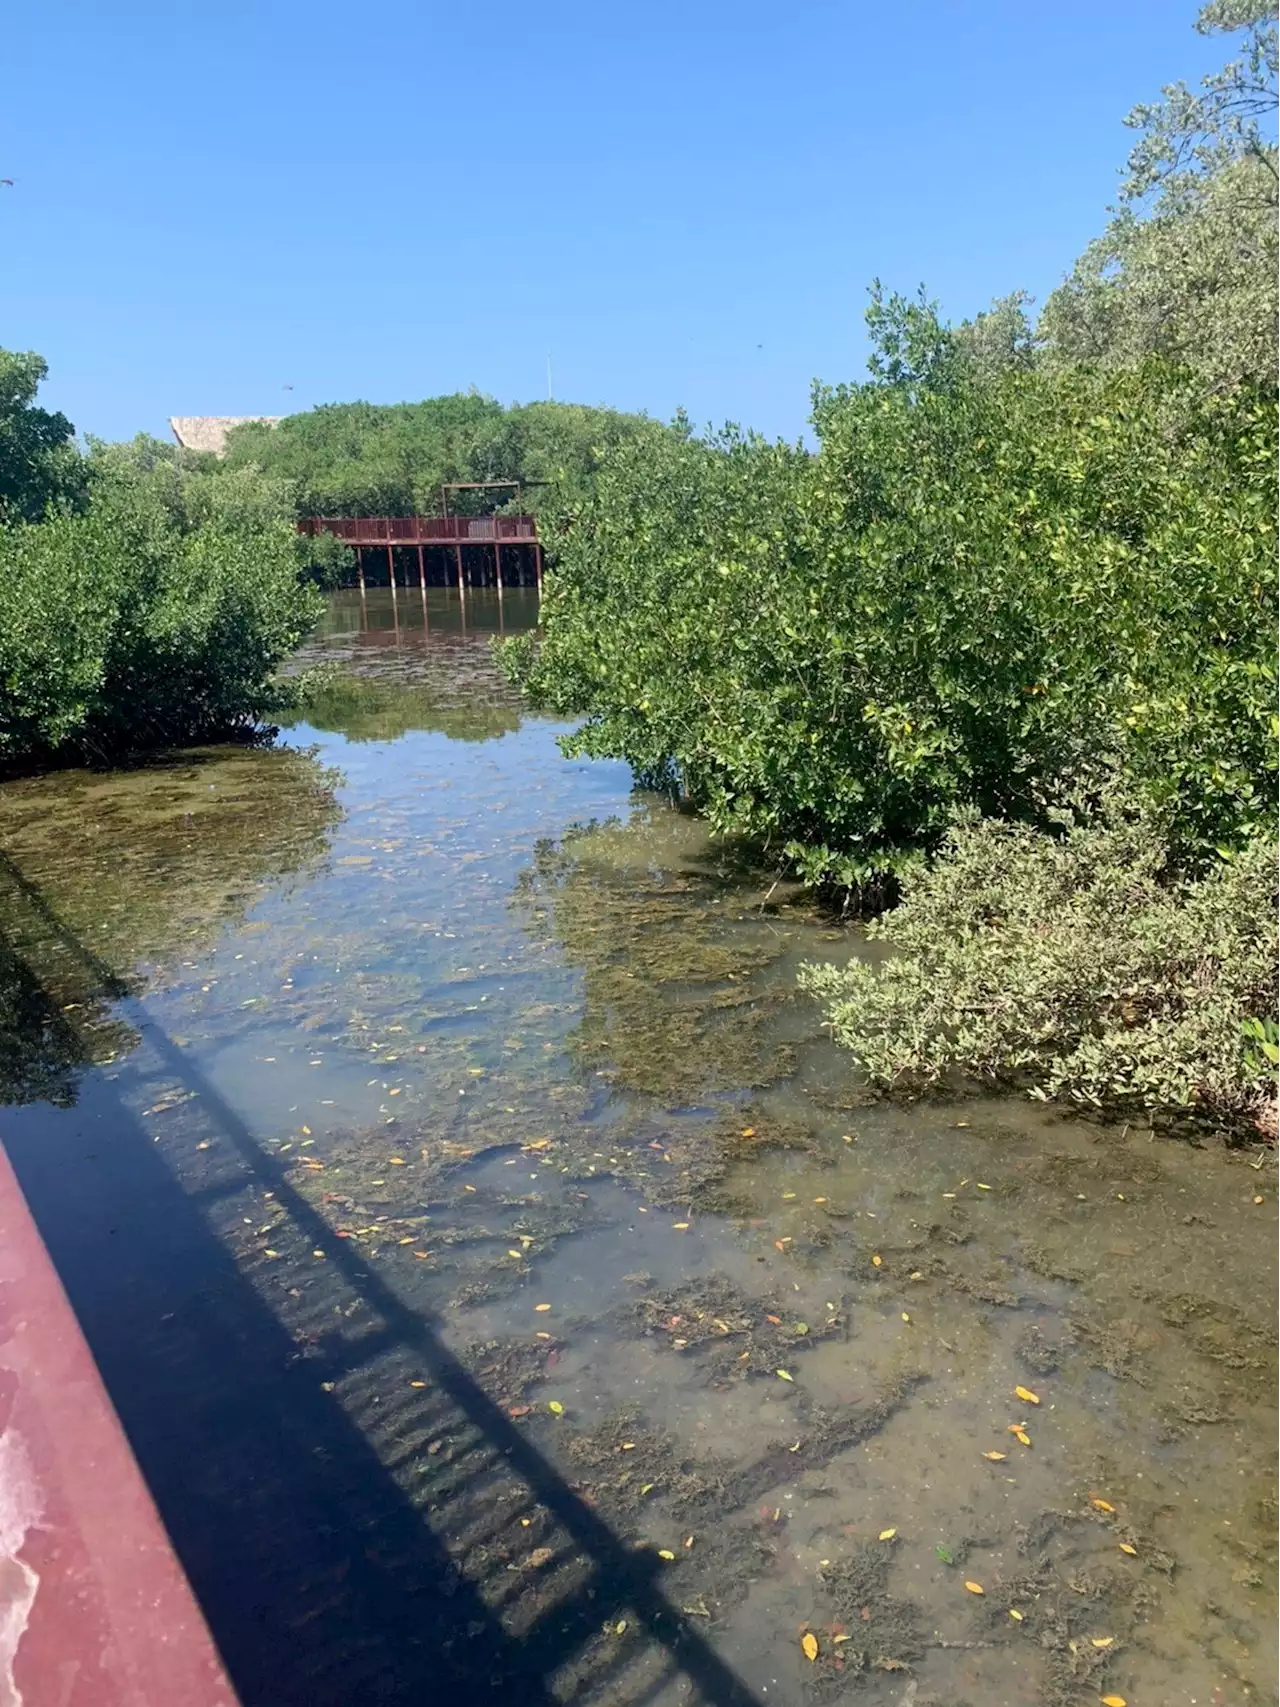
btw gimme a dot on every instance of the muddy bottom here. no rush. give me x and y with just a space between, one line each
511 1297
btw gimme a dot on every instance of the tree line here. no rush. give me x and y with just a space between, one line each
1026 581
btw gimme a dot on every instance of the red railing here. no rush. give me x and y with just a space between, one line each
422 530
94 1606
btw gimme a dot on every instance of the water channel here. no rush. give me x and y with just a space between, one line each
510 1295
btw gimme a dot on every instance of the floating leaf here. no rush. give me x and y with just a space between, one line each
947 1557
784 1376
1126 1548
681 1226
748 1131
1102 1641
1015 1615
982 1187
975 1588
1113 1701
541 1307
887 1534
620 1628
1028 1397
996 1457
776 1320
802 1327
518 1255
665 1553
647 1488
809 1642
905 1316
1021 1435
555 1407
877 1261
1102 1505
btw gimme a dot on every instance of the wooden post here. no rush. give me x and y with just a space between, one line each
458 550
422 571
497 558
537 563
360 568
391 568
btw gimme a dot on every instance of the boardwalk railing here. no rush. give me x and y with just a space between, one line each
389 532
423 530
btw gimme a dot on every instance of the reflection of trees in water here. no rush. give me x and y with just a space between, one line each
451 688
669 1001
103 875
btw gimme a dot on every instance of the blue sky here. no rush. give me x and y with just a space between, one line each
681 203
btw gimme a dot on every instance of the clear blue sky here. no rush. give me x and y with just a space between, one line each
682 203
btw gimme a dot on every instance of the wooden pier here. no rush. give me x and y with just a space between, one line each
452 534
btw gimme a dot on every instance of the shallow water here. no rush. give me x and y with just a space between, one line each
509 1294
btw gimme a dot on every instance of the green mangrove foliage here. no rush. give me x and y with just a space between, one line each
143 600
372 459
39 463
1072 965
981 584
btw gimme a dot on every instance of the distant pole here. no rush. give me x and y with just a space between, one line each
550 394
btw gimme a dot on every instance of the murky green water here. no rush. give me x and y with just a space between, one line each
509 1295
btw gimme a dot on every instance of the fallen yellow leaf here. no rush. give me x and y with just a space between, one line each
1126 1548
518 1255
784 1376
905 1316
541 1307
748 1131
1022 1435
681 1226
1027 1395
1102 1641
1102 1505
665 1553
1015 1615
996 1457
1113 1701
809 1642
887 1534
877 1261
975 1588
555 1407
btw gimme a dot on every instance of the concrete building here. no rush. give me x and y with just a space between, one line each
209 432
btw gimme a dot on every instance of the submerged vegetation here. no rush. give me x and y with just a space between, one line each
1029 571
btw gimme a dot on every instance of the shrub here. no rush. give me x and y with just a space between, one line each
158 615
980 582
1072 965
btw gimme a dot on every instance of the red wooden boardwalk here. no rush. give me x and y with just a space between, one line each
388 533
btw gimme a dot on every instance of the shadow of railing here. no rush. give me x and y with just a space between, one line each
360 1519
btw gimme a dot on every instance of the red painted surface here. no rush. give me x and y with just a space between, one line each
422 530
94 1608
